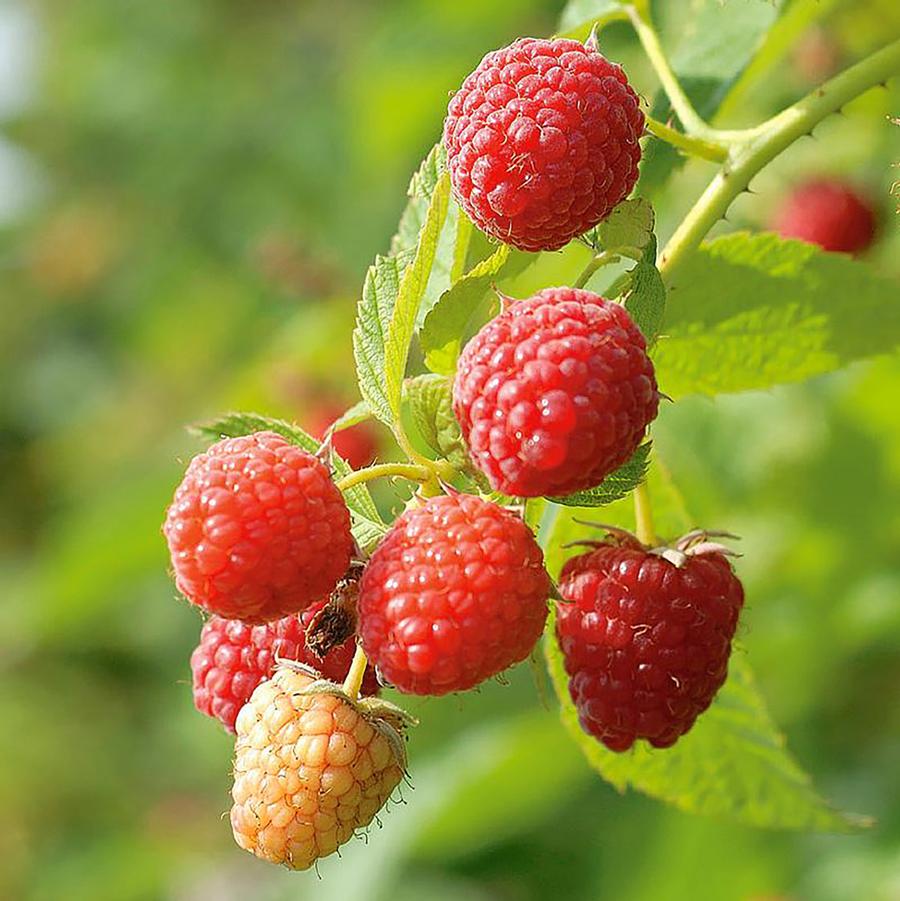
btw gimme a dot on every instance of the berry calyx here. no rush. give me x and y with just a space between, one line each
829 213
311 766
232 658
646 636
257 529
542 142
454 594
554 393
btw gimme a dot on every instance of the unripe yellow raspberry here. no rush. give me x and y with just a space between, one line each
311 766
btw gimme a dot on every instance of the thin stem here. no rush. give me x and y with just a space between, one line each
412 471
766 143
706 150
596 262
354 679
683 107
643 515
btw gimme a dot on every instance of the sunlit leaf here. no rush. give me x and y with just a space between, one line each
753 311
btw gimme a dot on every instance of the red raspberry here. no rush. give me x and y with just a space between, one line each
358 445
232 658
646 640
542 142
257 529
554 393
828 213
455 593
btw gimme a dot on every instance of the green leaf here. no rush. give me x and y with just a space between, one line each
373 317
646 299
356 414
421 187
441 333
629 225
579 16
615 486
431 403
387 312
732 764
368 526
753 311
448 321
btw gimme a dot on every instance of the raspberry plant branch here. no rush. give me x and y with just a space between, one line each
765 143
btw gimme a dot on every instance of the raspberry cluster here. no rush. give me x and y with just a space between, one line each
554 393
551 396
542 142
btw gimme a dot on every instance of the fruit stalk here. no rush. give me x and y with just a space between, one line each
354 679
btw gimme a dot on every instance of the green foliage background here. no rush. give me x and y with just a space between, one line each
191 195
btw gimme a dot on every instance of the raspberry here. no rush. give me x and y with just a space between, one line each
310 768
554 393
828 213
645 637
542 142
358 445
232 658
455 593
257 529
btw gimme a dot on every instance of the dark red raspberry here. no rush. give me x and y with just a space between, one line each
358 445
454 594
232 658
554 393
542 142
257 529
829 213
646 640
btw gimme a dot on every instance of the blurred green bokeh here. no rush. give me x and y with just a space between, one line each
189 196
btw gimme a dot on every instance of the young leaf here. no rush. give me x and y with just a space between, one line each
431 405
373 316
412 287
368 526
445 325
615 486
358 413
387 313
421 187
732 764
629 225
646 299
753 311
